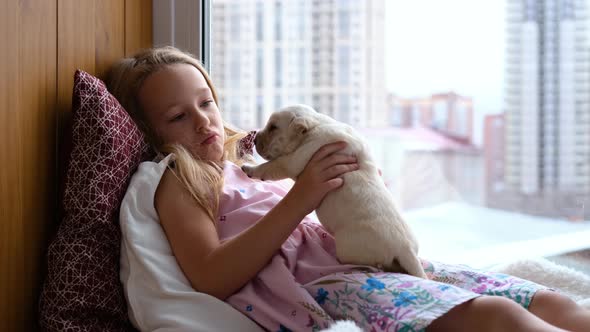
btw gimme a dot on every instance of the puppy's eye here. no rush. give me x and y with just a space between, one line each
272 127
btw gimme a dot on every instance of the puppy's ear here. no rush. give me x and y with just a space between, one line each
300 125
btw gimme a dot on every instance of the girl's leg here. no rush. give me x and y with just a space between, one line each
561 311
490 313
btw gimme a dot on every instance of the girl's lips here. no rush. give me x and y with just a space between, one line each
211 139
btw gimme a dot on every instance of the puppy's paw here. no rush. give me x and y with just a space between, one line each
249 170
253 172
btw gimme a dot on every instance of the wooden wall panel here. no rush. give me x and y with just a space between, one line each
138 25
43 43
37 95
75 46
110 42
10 187
94 33
28 174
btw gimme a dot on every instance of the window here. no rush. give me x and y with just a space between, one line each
278 73
278 22
259 22
234 22
259 109
343 23
344 113
344 65
441 113
530 11
494 117
259 67
300 69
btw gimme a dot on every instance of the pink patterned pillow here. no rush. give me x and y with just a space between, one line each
82 291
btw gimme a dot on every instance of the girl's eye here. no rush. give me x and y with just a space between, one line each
207 103
177 117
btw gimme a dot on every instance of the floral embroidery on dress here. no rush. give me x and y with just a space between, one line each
321 296
373 283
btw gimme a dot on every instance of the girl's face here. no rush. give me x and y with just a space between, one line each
179 107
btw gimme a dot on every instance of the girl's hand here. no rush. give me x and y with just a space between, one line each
322 174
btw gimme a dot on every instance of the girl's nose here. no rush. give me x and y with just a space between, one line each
200 119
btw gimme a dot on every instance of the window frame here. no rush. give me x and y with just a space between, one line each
185 24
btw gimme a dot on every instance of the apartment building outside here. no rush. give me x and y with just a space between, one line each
448 113
547 103
494 150
325 53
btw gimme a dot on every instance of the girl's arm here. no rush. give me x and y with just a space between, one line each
221 269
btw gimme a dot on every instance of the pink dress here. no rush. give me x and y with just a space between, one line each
274 296
305 288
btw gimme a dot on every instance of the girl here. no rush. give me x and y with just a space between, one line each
252 243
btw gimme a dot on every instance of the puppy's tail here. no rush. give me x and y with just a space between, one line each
410 263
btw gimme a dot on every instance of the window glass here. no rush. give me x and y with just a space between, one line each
476 111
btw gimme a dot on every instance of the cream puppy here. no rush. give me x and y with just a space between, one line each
361 214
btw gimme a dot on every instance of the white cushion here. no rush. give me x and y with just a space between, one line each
159 296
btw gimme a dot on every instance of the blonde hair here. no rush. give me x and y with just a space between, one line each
202 178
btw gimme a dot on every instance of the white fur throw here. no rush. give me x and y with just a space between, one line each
344 326
568 281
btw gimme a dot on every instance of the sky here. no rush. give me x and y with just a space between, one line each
437 46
